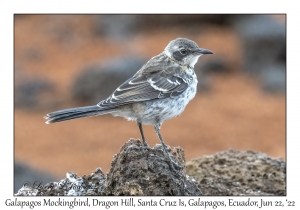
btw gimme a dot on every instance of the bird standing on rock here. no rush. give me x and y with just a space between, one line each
159 91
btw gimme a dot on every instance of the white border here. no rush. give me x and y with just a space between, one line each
8 8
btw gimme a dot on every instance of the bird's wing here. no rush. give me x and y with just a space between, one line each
145 87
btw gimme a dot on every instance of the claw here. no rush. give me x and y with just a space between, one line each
176 168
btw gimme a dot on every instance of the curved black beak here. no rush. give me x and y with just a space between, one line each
200 51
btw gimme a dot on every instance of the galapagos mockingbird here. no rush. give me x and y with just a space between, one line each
159 91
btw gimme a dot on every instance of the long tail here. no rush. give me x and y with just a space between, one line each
73 113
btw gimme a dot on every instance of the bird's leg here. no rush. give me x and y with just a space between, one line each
142 133
172 163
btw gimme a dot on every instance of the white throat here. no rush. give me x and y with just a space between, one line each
194 60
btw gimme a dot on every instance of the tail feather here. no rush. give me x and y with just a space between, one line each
73 113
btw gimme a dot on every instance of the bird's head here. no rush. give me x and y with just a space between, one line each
184 51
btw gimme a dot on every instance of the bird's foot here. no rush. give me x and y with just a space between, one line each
145 146
176 168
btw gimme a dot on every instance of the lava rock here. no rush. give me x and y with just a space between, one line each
72 185
98 81
136 170
146 171
239 173
24 175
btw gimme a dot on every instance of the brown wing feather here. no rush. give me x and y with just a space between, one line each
150 83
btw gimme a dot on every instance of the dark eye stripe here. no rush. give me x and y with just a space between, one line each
183 51
178 56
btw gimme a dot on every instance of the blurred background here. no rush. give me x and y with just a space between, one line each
64 61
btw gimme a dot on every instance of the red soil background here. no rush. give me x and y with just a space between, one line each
235 113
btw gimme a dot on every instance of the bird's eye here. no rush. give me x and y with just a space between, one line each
183 51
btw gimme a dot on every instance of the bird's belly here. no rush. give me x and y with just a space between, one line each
157 111
160 110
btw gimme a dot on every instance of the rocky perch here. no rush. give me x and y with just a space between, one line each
137 170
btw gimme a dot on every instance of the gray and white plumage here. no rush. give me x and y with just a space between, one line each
169 75
159 91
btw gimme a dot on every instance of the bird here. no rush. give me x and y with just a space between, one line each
158 91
